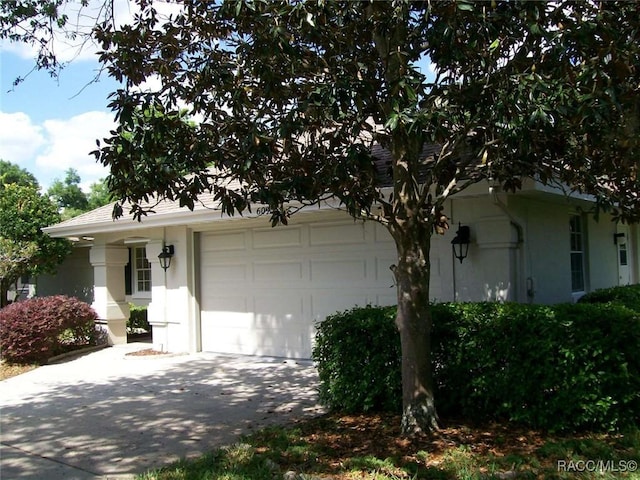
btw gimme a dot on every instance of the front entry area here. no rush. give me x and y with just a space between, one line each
262 289
623 241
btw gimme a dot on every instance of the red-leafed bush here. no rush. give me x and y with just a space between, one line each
34 330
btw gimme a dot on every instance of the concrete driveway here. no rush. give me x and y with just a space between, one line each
110 415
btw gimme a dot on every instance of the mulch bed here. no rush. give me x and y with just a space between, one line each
146 353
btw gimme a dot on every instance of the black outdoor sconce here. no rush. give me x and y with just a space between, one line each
460 244
165 257
616 236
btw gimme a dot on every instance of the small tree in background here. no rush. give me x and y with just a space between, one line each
24 248
12 173
68 195
99 195
70 198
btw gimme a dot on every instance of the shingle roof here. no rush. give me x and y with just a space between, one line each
383 159
101 218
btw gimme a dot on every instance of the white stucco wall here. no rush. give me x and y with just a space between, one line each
490 272
546 247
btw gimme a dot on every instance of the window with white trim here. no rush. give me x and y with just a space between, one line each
141 271
577 239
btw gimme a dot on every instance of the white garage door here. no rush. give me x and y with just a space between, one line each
263 289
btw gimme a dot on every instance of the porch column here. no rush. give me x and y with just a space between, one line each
157 309
109 302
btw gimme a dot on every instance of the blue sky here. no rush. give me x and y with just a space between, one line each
48 125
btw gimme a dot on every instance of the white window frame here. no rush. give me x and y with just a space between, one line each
578 249
137 251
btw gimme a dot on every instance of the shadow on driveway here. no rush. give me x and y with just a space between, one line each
111 415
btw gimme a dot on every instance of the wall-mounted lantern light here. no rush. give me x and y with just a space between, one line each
165 256
460 244
616 236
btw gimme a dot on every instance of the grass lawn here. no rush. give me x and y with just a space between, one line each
371 447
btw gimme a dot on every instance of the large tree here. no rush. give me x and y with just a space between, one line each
291 98
24 248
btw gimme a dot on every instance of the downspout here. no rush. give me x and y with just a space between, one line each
453 265
164 348
520 231
197 292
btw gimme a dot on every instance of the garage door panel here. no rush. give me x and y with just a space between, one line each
256 334
224 273
229 340
295 344
277 237
383 269
337 234
324 304
277 271
382 235
224 242
218 305
386 299
278 311
339 269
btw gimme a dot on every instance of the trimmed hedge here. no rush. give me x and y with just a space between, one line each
137 319
562 367
358 357
628 296
34 330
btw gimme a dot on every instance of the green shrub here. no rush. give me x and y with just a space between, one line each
34 330
628 296
562 367
357 353
137 319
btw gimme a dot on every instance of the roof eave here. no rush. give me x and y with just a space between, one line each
128 223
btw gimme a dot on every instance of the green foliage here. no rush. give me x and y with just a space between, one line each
70 198
26 249
628 296
68 195
358 358
137 319
560 367
99 194
514 96
34 330
11 173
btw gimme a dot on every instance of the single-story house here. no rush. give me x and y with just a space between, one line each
237 285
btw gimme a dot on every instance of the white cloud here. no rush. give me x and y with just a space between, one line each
81 21
49 149
20 138
69 142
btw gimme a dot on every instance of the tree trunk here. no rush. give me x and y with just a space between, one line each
4 289
414 323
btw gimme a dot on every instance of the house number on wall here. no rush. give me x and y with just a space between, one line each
262 210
